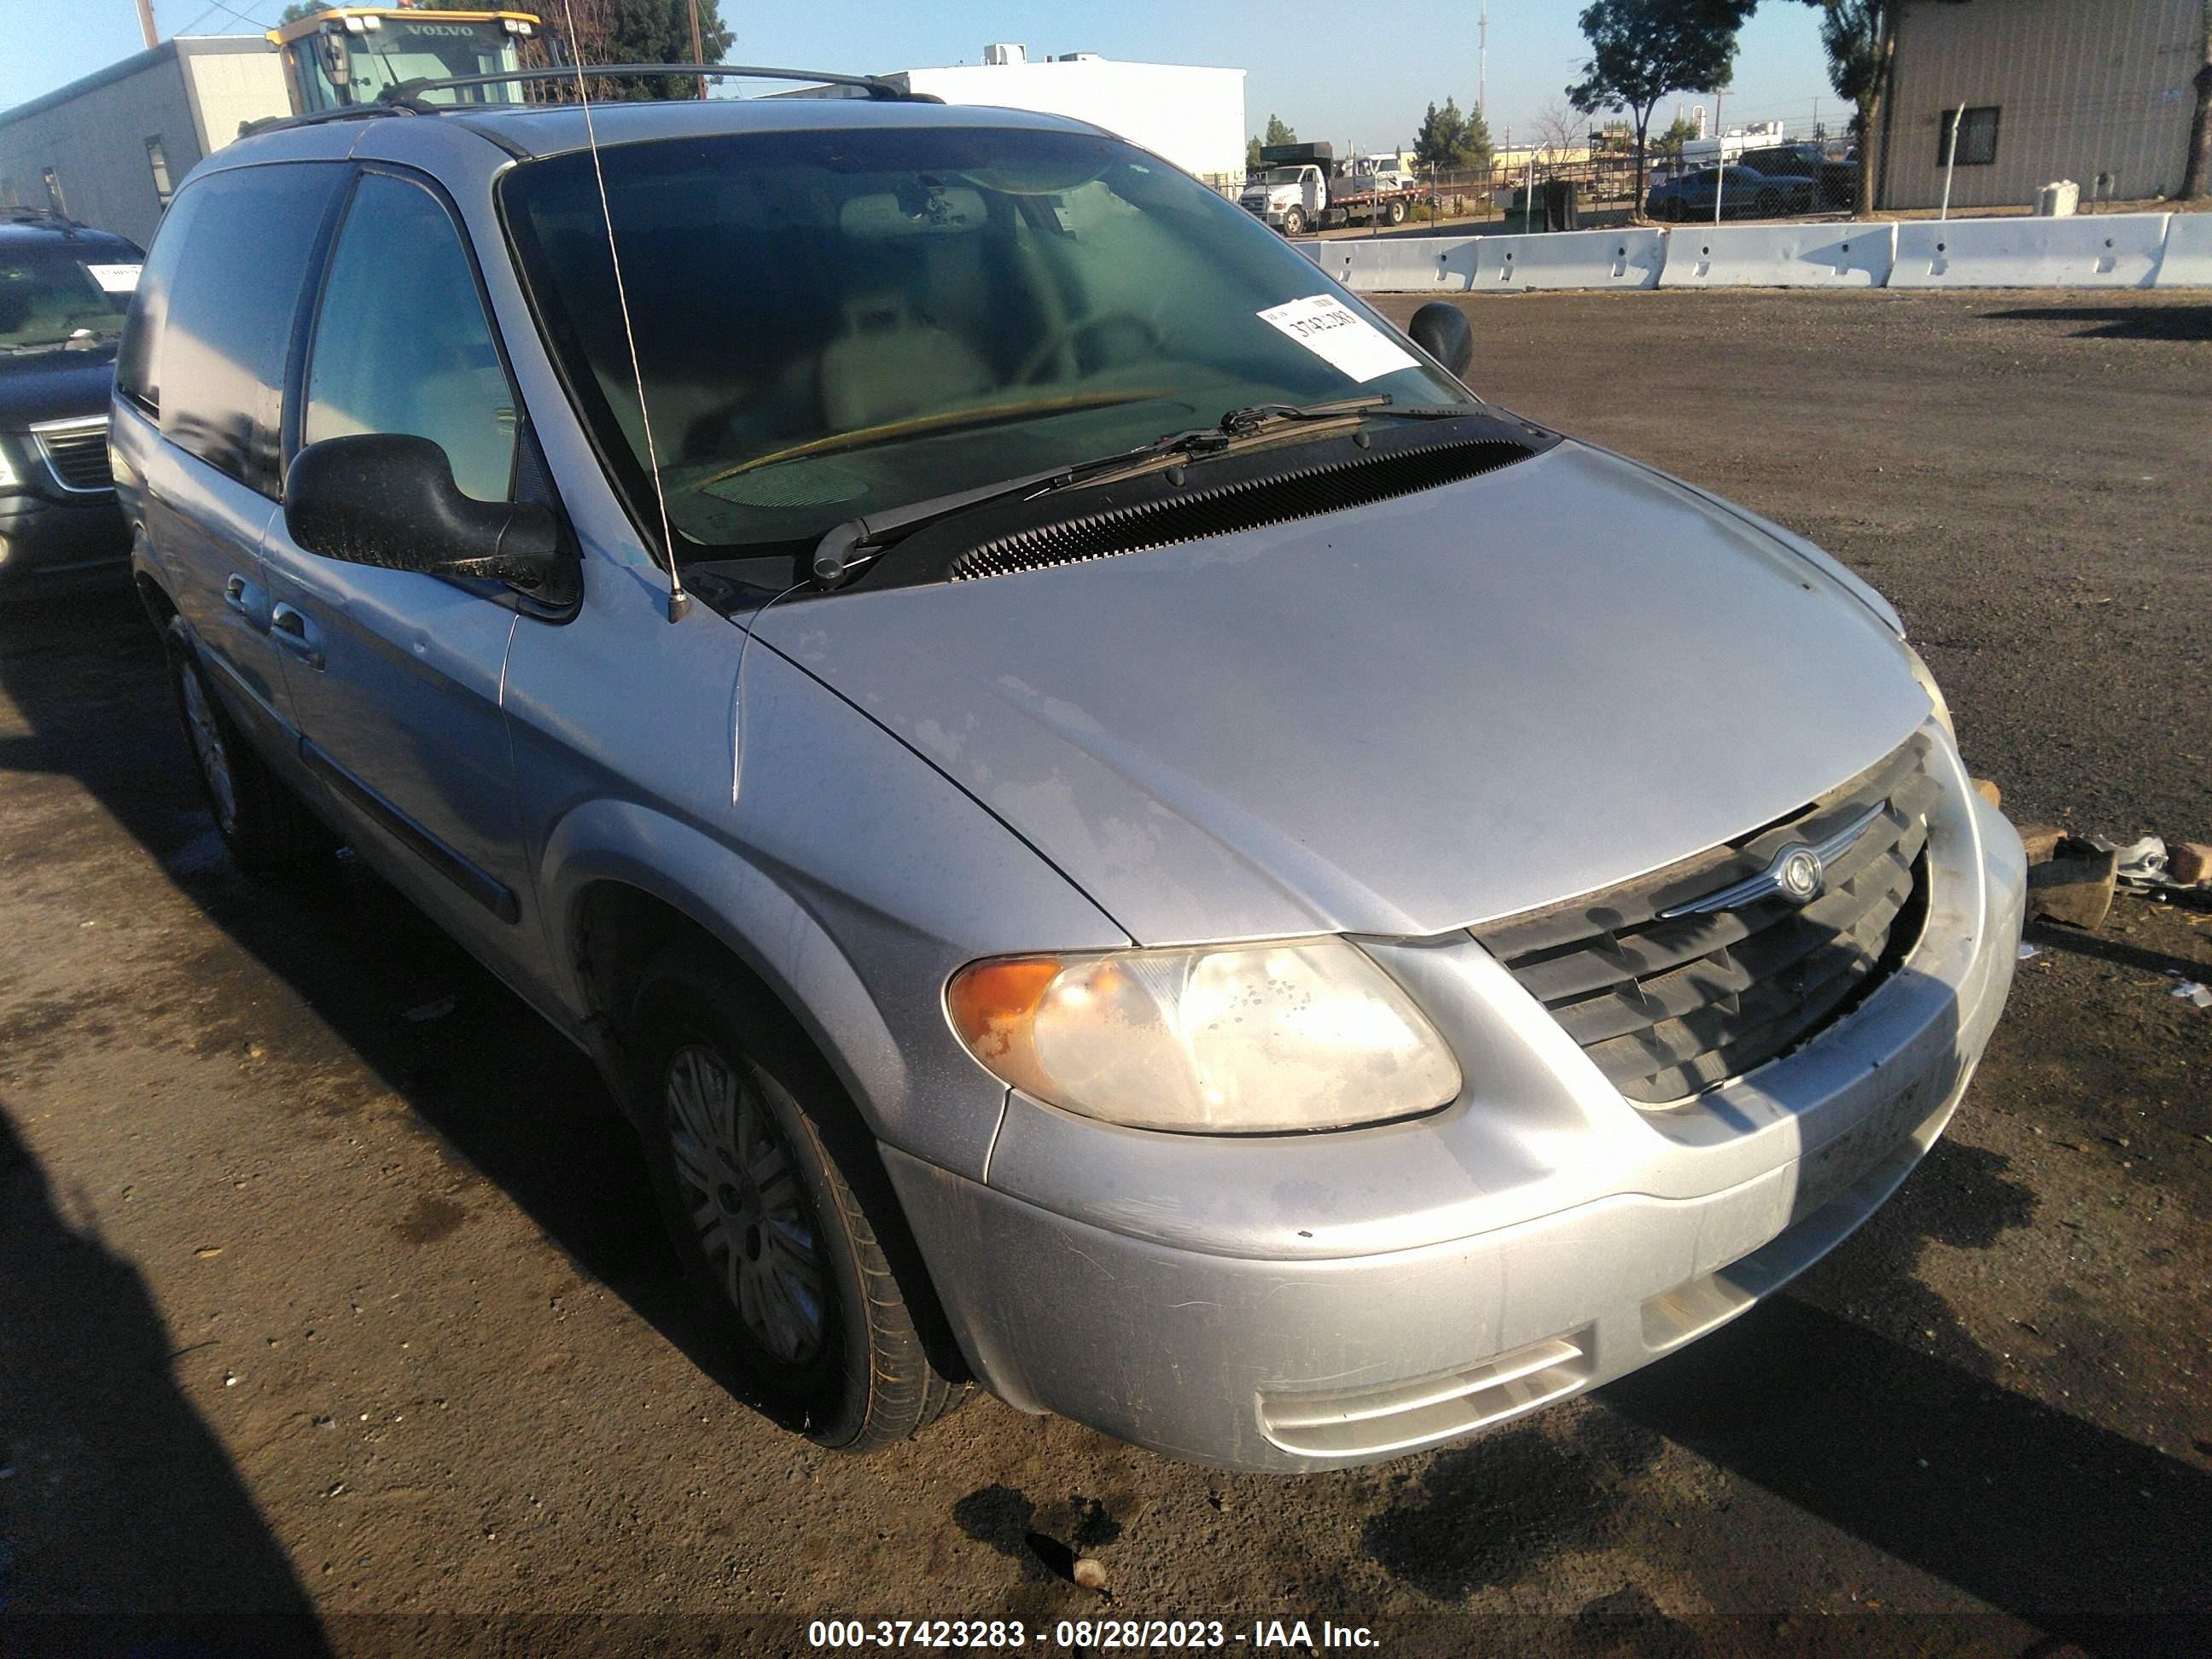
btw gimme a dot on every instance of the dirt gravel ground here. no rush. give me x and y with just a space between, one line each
330 1294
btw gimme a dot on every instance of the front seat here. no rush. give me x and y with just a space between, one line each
889 364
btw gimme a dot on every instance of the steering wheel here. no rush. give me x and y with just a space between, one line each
1067 333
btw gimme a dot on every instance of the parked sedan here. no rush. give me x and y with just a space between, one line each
1838 181
1746 192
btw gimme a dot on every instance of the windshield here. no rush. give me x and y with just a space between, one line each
834 324
52 294
337 68
1283 175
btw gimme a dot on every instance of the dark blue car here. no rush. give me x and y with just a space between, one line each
1748 193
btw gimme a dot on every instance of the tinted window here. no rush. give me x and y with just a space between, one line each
231 258
402 343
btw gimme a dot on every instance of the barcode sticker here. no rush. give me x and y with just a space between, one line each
1333 332
114 279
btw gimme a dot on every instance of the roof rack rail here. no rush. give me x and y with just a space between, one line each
408 94
25 213
317 117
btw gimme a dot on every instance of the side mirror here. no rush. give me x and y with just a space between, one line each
1440 328
386 498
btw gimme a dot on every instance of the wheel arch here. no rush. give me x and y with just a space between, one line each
620 883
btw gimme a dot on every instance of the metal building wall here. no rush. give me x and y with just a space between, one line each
2082 87
190 93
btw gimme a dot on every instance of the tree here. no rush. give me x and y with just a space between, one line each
637 31
1670 141
1448 139
1641 49
1281 131
1251 161
1860 37
1559 130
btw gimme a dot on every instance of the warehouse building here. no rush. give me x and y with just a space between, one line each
1190 116
109 149
2052 90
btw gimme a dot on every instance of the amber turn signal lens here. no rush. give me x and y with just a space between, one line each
992 1005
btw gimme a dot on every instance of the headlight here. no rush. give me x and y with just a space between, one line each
1222 1040
1920 671
9 479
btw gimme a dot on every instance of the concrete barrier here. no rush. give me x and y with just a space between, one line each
1629 258
1410 265
2115 250
2187 260
1830 255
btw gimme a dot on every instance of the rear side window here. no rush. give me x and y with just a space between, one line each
218 298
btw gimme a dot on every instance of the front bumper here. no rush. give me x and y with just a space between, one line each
1306 1303
48 545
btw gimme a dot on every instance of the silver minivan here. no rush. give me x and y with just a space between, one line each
1119 836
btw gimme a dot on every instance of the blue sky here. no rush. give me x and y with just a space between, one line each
1350 71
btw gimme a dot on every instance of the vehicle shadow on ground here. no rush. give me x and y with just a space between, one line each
504 1096
118 1504
2076 1529
2122 322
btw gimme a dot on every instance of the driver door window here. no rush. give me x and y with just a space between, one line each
402 343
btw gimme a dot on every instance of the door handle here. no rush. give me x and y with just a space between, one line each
295 635
248 600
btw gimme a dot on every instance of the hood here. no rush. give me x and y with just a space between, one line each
1401 719
55 386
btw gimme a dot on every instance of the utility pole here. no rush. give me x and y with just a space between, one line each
698 53
146 23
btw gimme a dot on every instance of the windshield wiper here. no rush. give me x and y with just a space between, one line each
857 543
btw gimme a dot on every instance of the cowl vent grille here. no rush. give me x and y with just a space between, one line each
1277 499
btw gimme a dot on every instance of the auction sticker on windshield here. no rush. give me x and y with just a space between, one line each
114 279
1331 330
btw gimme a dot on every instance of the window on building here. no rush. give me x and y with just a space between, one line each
55 199
158 159
1977 137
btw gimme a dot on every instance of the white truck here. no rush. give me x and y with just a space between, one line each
1302 187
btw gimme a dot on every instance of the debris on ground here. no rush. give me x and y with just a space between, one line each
2189 991
2075 884
1089 1574
2189 863
2027 950
1988 790
2041 839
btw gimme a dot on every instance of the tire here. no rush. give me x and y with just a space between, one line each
265 827
1675 210
1397 213
794 1258
1294 222
1768 204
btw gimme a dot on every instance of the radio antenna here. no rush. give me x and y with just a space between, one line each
679 600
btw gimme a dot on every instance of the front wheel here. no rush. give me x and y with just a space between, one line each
1397 213
1676 211
1768 204
1294 222
776 1202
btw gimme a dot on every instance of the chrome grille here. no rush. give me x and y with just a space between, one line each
1669 998
76 454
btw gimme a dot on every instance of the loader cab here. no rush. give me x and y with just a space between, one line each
350 55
